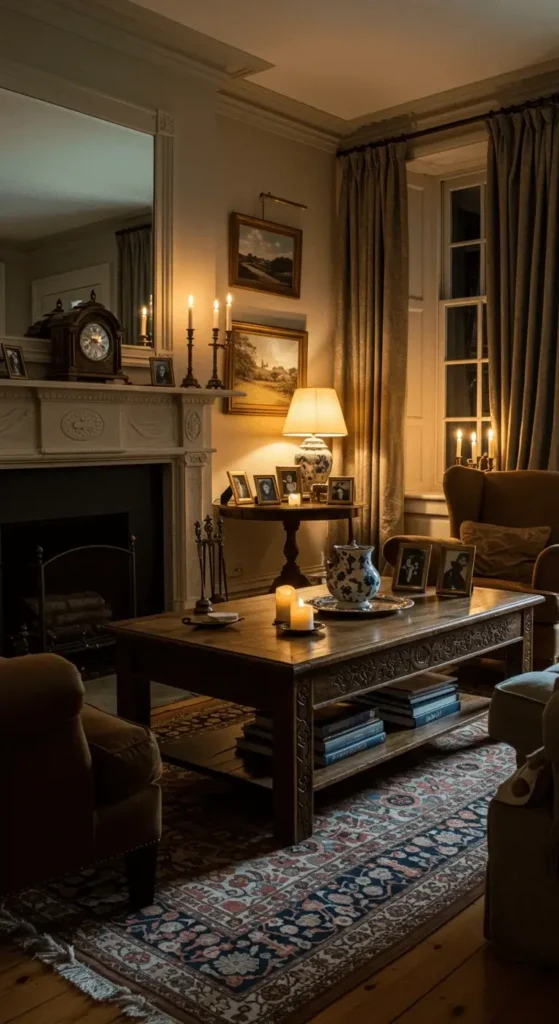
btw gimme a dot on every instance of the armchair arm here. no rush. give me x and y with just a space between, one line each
390 550
546 570
38 691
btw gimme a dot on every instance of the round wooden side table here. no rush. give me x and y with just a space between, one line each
292 519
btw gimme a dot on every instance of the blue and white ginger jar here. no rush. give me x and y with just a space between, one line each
351 576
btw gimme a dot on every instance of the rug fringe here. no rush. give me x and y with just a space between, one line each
62 959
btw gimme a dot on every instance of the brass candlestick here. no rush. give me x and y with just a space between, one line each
214 381
190 380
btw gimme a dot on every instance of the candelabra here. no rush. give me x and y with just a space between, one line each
485 462
190 380
214 381
210 559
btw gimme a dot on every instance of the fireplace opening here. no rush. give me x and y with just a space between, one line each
64 578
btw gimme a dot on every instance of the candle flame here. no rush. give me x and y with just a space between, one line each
216 304
474 437
301 603
229 299
458 435
144 311
190 301
490 435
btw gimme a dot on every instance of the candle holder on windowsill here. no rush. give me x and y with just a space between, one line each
484 462
214 382
190 380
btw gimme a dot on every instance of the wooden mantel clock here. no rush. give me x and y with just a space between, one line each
86 342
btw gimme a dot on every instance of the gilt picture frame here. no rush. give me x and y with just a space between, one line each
267 364
264 256
240 485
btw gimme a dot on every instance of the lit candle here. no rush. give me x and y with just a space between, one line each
294 500
285 597
474 447
458 444
490 444
302 615
190 312
216 314
144 321
228 305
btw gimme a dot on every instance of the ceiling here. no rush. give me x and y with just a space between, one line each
62 169
351 58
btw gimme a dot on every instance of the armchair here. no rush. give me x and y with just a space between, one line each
77 786
520 498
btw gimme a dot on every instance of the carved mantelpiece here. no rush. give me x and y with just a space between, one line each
46 423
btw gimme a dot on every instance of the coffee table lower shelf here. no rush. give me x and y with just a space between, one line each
214 752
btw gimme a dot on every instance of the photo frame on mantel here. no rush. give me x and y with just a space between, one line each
268 364
265 256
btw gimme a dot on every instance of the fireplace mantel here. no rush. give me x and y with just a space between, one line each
54 423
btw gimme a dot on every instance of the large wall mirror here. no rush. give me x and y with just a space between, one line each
76 214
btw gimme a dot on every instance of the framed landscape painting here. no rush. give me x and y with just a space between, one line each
267 363
264 256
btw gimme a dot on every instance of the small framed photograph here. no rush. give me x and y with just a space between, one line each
290 481
412 568
267 492
264 256
340 490
162 372
15 363
240 487
456 570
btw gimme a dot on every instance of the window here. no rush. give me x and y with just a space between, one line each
463 320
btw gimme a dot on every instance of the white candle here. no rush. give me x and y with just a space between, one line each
190 312
490 444
302 615
474 447
458 444
285 597
294 500
228 305
144 321
216 314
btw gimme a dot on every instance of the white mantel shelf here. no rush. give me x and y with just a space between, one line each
55 424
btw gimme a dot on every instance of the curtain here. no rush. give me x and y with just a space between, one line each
135 280
372 343
523 286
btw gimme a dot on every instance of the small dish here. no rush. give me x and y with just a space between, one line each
213 620
318 630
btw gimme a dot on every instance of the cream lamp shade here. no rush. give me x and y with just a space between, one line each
315 411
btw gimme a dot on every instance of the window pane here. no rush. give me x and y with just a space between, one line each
485 390
466 214
465 271
461 332
461 390
451 429
484 348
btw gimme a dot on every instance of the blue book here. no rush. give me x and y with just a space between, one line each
413 722
323 760
415 711
382 697
346 739
329 720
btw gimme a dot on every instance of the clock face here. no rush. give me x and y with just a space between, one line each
95 342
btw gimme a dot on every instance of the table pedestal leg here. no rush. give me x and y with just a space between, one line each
291 573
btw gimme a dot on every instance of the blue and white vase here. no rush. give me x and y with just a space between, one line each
351 576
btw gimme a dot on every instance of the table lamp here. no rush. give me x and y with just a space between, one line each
314 413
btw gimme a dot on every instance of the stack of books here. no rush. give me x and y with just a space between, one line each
340 730
417 701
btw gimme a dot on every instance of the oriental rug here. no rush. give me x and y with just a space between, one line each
244 932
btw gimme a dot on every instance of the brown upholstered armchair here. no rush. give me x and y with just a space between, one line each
77 785
522 498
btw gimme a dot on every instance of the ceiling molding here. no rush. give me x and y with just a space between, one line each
240 108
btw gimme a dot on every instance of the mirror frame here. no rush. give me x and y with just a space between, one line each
161 125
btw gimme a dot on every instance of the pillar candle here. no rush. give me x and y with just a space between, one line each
490 444
285 597
294 500
228 305
474 447
216 314
302 615
190 312
144 321
458 444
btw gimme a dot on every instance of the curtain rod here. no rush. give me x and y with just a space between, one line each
137 227
448 125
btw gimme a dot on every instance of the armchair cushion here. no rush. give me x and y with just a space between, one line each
505 552
125 756
516 710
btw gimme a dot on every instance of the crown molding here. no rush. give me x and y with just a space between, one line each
251 106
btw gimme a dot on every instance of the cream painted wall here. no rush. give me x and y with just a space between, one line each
253 161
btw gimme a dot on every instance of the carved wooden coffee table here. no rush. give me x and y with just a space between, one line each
251 664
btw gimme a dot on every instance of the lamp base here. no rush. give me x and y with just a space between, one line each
315 460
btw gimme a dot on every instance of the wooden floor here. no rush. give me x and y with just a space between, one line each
451 975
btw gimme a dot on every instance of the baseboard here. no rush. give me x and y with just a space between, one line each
261 584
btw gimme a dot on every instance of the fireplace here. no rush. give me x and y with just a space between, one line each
79 548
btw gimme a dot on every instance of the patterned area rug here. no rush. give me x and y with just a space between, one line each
243 932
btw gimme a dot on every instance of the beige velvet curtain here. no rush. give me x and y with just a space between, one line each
372 343
135 278
523 286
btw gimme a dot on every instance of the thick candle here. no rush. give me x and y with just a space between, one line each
216 314
190 312
302 615
294 500
144 321
285 597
